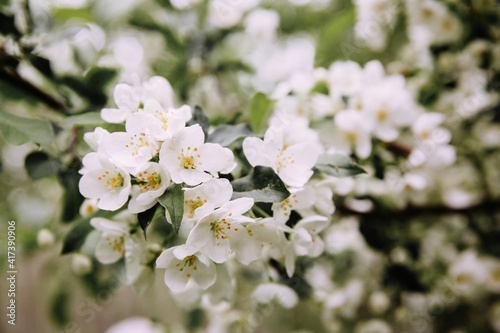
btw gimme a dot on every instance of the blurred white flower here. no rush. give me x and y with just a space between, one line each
267 292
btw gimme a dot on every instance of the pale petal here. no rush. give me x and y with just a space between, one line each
105 253
214 157
238 206
193 176
115 115
205 275
126 97
254 149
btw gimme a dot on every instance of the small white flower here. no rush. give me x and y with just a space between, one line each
262 24
267 292
105 181
293 164
132 148
203 199
153 180
45 238
114 234
298 199
180 270
88 207
305 236
81 264
304 240
426 127
389 106
218 232
190 160
355 132
163 123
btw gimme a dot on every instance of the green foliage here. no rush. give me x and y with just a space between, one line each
173 201
145 218
19 130
332 41
7 25
338 165
59 307
43 65
201 119
83 119
72 199
39 165
321 88
227 134
259 111
263 185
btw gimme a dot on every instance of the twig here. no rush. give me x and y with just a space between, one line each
13 78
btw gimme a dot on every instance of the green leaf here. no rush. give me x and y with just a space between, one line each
66 14
173 201
92 94
227 134
19 130
200 118
60 306
72 199
98 77
321 87
39 165
233 66
260 109
84 119
43 65
8 26
145 218
75 238
338 165
263 185
334 41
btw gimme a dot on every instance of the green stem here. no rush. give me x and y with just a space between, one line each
260 211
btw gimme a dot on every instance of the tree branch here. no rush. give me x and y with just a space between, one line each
13 78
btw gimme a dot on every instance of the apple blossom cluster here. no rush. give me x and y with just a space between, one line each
163 157
360 111
158 151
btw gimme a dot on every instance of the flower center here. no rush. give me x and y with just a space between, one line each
351 137
192 205
117 244
382 115
284 161
190 262
137 142
188 162
218 228
285 205
163 117
113 182
149 181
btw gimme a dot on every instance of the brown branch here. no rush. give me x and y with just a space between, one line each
13 78
399 148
